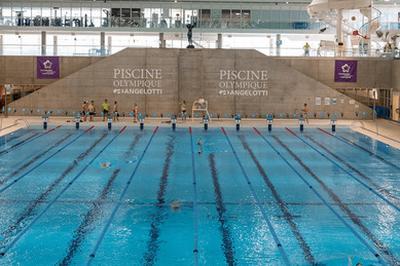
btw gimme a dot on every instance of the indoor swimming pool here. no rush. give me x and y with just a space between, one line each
195 197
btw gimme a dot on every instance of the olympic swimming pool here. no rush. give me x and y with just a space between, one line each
131 197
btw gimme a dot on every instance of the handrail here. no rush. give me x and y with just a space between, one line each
364 26
23 120
16 122
7 127
361 125
84 50
381 135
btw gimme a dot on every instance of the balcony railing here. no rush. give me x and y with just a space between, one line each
93 50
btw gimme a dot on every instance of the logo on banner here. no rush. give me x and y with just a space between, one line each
243 83
345 71
48 67
137 81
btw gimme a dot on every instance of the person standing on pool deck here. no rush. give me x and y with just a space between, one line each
115 111
106 109
183 110
135 113
91 110
305 112
84 112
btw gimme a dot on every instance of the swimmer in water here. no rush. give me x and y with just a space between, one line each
105 164
175 205
200 146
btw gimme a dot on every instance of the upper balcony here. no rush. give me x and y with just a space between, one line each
149 16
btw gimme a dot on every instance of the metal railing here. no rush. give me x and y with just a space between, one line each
22 120
93 50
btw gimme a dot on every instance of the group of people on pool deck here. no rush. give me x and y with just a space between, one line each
89 110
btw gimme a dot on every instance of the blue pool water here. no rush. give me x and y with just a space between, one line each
131 197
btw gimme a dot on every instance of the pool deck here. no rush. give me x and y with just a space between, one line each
385 131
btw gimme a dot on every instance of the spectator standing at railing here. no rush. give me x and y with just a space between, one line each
306 49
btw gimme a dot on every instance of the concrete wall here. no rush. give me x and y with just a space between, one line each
186 75
22 69
396 75
372 72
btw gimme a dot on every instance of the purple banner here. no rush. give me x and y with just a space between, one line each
47 67
345 71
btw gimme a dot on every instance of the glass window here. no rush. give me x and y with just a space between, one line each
86 16
66 17
138 19
191 16
176 16
226 18
55 16
155 17
36 17
115 17
27 16
5 19
46 16
105 17
76 17
246 19
125 17
205 18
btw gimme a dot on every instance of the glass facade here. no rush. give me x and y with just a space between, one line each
73 27
155 16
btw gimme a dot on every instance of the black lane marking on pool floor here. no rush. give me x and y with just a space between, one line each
132 145
33 159
189 203
119 202
13 136
384 191
353 144
4 248
149 257
29 211
227 242
93 214
281 203
27 140
90 217
19 143
354 218
194 203
258 202
329 205
44 161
